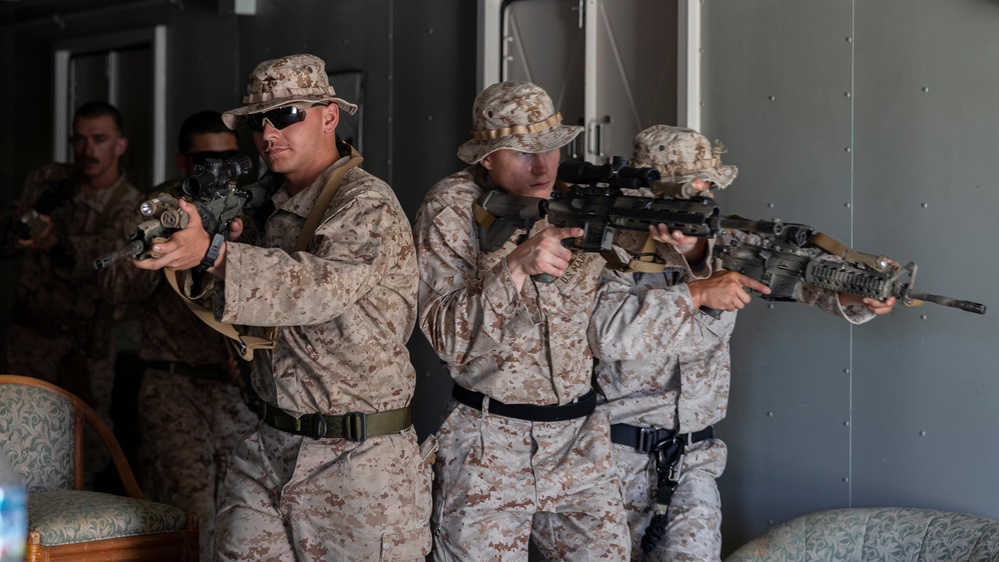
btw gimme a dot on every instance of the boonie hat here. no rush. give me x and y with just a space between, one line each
283 81
517 116
680 153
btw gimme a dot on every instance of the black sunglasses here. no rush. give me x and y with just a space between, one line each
279 118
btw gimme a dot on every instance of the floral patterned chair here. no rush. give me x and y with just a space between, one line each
903 534
41 433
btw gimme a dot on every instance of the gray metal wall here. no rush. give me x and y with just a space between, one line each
874 121
418 59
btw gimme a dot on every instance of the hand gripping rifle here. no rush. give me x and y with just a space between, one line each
780 263
212 189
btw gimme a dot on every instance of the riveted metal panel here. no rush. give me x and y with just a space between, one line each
776 79
925 175
853 117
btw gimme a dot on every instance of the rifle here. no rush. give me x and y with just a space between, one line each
785 267
29 225
212 189
594 201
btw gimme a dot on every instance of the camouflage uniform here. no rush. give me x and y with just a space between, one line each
664 365
346 307
501 481
59 331
190 415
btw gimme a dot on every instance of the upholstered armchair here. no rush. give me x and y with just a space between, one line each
41 433
899 534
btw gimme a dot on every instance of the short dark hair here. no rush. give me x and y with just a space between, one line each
198 124
100 108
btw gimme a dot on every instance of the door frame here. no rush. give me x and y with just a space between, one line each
688 109
156 38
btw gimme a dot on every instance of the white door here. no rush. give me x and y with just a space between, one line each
615 66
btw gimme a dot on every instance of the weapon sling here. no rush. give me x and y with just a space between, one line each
245 344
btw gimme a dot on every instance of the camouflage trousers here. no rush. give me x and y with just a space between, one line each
293 498
60 360
188 429
693 531
501 482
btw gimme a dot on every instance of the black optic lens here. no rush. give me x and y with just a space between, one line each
280 117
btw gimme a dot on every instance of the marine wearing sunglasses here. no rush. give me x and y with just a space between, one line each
280 117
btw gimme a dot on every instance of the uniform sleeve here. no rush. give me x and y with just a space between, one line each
348 255
631 322
464 313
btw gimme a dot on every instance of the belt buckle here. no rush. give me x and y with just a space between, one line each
317 426
355 426
647 440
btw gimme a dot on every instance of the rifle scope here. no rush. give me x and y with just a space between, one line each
615 173
215 174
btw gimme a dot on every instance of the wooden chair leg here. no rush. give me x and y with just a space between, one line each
33 548
192 550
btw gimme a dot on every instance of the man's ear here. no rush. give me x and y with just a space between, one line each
487 161
120 146
331 117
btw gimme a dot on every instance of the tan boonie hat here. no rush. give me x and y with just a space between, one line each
518 116
283 81
681 154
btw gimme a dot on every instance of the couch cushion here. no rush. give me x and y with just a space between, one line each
877 533
72 516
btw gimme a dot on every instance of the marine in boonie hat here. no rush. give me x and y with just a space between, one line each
517 116
681 154
283 81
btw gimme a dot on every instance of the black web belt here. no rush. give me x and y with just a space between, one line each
355 426
645 439
529 412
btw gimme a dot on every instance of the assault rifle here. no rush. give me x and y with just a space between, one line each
212 189
29 225
785 266
594 201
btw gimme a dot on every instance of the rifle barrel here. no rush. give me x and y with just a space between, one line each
132 249
966 306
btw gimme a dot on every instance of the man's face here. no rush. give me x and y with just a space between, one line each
523 173
205 142
96 146
297 147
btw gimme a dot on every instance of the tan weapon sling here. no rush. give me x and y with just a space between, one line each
245 344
